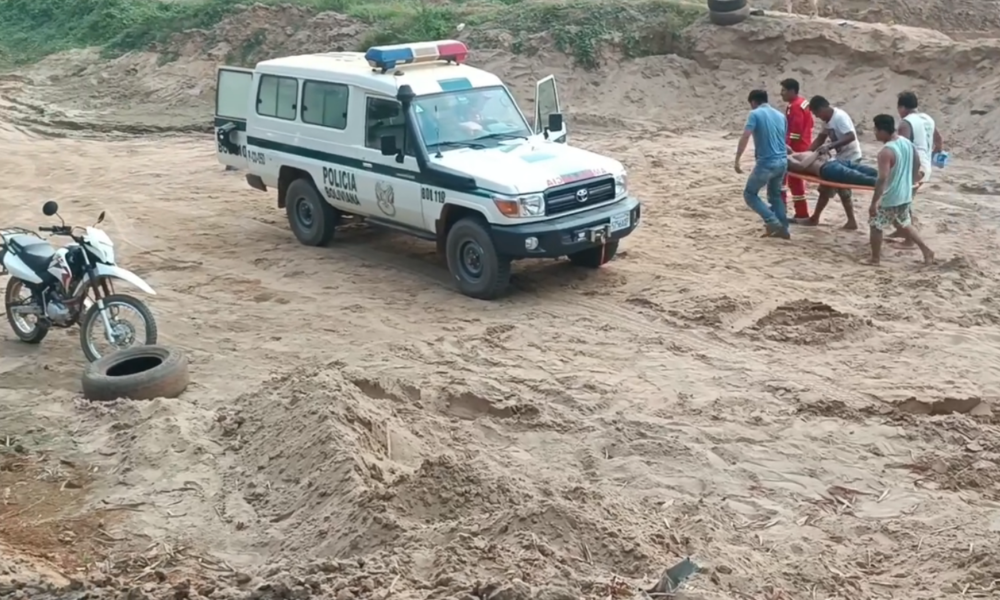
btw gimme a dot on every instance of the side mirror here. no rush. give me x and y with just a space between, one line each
100 218
50 208
555 122
387 143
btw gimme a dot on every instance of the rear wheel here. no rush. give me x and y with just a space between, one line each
126 315
312 219
473 260
30 329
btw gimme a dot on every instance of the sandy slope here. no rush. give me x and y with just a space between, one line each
708 393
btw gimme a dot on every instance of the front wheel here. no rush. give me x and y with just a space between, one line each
30 329
125 315
593 258
474 262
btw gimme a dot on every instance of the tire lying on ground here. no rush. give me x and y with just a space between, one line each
724 6
137 373
732 17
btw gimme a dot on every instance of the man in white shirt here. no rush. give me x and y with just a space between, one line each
919 128
840 137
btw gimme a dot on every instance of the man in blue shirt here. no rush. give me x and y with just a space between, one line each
767 126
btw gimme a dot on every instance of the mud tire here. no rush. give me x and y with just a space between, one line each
494 278
137 373
734 17
40 330
94 313
312 219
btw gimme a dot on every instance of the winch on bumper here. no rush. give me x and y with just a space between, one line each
570 234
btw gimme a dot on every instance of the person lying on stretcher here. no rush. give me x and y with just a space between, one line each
829 169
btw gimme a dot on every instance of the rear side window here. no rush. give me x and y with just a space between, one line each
277 97
325 104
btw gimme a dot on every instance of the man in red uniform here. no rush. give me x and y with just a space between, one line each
798 138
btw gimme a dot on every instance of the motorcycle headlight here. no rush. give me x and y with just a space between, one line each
530 205
621 185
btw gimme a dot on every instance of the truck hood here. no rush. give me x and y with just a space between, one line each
527 167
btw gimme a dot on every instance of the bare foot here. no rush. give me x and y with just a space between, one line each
850 226
901 244
870 262
929 257
809 222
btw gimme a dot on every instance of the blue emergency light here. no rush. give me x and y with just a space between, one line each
388 57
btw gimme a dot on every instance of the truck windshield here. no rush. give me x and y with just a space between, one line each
474 118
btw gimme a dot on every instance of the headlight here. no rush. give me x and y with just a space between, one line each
531 205
621 185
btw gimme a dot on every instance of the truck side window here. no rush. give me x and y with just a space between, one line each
385 117
325 104
277 97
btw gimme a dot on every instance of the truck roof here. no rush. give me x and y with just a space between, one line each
352 68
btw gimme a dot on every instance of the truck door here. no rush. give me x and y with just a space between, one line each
233 93
547 103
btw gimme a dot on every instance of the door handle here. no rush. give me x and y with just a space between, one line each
366 165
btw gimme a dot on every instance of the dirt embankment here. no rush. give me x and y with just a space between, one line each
954 17
861 66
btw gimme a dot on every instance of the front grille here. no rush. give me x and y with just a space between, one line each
564 198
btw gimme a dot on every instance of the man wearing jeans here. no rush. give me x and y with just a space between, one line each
767 127
840 136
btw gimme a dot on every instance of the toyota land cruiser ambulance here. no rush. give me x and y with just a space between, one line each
409 137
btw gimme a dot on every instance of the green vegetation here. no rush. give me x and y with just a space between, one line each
32 29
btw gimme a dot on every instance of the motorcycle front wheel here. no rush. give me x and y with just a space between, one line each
31 331
124 331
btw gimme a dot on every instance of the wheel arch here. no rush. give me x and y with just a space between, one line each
286 175
451 214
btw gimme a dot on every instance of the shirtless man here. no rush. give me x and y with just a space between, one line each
819 164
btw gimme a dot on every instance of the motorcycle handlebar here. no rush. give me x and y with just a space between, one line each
57 229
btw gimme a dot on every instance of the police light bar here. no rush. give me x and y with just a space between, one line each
388 57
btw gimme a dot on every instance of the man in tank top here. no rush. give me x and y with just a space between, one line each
898 171
919 128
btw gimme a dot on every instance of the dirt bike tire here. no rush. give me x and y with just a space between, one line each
724 6
733 17
94 313
41 329
137 373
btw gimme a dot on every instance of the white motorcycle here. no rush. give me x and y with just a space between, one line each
61 287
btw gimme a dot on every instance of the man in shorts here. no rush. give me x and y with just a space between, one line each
820 165
839 136
898 171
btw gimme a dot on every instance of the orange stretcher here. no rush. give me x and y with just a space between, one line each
841 186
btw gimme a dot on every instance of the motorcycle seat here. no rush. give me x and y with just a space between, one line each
35 252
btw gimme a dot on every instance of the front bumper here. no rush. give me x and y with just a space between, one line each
562 236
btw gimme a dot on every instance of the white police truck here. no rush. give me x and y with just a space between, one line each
409 137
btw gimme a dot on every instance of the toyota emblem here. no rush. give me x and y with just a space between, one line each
582 195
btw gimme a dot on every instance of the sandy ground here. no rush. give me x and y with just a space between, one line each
358 429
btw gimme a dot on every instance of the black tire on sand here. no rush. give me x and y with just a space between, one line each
137 373
725 19
724 6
